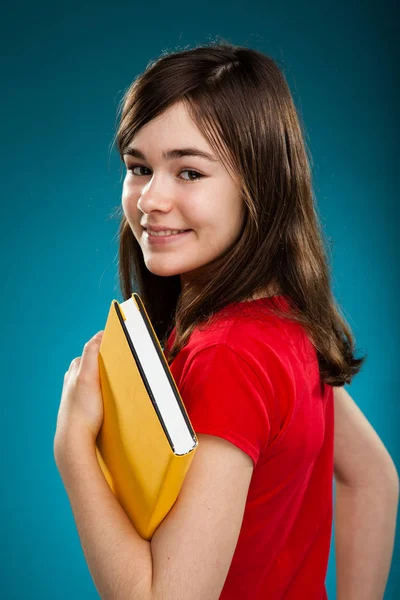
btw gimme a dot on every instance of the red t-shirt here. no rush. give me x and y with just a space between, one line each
253 379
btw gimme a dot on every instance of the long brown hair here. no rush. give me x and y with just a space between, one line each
241 103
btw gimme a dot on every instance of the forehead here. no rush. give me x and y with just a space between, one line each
175 124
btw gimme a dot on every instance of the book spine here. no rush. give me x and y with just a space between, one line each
174 479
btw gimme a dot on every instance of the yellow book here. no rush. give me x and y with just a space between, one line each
146 442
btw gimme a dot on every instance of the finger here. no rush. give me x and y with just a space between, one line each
75 363
74 366
89 365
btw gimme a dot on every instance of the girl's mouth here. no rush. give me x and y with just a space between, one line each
161 240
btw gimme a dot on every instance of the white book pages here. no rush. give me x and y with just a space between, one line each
158 381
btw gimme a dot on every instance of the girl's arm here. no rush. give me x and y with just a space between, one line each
190 553
367 495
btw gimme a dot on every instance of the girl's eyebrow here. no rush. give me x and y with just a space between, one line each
172 153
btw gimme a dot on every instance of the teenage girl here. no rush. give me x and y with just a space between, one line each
220 237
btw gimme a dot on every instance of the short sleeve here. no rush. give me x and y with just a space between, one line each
224 397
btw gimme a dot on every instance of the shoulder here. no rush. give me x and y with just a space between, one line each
249 340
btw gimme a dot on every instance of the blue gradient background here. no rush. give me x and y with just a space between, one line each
64 70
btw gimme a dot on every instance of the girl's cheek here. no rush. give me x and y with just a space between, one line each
128 201
130 211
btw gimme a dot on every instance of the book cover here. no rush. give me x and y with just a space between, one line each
134 447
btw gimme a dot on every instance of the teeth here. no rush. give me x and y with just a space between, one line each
164 233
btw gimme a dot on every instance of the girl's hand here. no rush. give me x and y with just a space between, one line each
81 408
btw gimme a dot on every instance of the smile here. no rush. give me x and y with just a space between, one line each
160 240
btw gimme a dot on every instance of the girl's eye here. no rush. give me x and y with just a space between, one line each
198 175
133 167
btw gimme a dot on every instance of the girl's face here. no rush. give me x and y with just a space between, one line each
180 191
